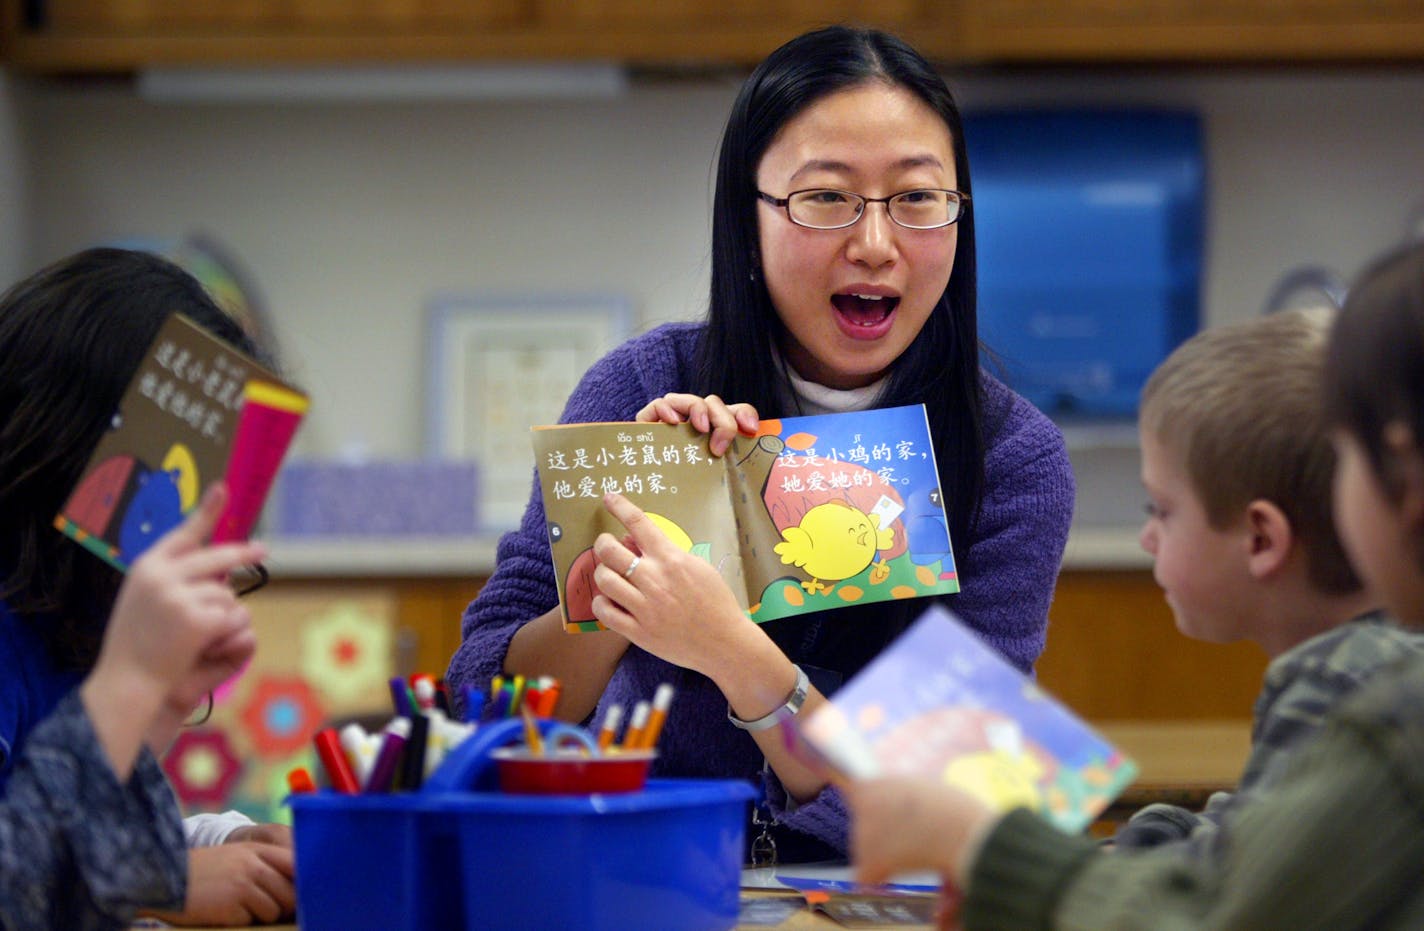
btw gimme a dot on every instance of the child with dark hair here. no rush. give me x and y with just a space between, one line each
71 337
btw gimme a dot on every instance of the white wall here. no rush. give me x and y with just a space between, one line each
351 214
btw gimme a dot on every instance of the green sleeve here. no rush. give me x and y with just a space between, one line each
1336 844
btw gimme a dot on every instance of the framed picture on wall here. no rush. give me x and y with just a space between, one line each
500 365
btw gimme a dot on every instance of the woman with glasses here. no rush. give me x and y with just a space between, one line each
71 337
842 279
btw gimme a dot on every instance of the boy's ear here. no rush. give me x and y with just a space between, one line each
1406 465
1271 537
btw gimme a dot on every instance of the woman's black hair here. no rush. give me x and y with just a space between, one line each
1374 370
735 357
71 337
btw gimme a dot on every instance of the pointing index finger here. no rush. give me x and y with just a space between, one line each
643 531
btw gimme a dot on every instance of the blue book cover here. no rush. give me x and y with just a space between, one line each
940 702
811 513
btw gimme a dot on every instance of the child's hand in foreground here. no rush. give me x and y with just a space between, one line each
177 628
237 883
176 631
901 824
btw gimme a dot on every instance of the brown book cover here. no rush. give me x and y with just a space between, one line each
812 513
196 411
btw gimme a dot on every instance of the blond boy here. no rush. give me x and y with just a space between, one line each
1237 465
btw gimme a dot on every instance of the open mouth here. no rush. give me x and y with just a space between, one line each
864 310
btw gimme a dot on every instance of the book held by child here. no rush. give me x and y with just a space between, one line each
196 411
940 702
811 513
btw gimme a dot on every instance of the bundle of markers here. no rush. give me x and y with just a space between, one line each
401 755
644 727
415 742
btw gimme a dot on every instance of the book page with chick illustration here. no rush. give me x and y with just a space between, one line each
839 509
940 702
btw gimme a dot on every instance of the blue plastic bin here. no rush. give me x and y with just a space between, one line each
669 856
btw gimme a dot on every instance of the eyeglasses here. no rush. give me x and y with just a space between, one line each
827 209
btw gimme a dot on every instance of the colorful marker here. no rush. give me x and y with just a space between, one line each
398 697
662 700
633 736
531 732
611 719
383 770
548 697
423 685
474 704
412 769
299 781
360 751
333 758
516 696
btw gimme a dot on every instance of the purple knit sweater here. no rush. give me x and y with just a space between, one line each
1006 570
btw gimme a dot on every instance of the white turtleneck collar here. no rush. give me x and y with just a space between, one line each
818 399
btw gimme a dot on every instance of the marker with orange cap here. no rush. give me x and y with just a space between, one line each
633 736
548 697
611 719
662 700
299 781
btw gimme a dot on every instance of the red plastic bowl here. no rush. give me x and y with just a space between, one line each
570 772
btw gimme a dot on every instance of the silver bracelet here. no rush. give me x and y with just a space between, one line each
785 712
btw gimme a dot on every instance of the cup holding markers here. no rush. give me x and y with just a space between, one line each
569 772
561 759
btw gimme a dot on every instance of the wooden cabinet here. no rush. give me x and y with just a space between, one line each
1194 30
123 35
1113 652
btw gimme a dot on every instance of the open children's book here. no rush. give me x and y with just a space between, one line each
196 411
940 702
811 513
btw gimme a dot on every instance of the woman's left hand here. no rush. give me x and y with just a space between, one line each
708 415
666 601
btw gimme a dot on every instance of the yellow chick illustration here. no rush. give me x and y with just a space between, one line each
835 541
997 778
1004 776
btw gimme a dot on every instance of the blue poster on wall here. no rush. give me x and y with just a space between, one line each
1089 227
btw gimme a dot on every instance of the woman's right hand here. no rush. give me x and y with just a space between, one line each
708 415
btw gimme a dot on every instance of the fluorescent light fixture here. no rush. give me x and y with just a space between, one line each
565 80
